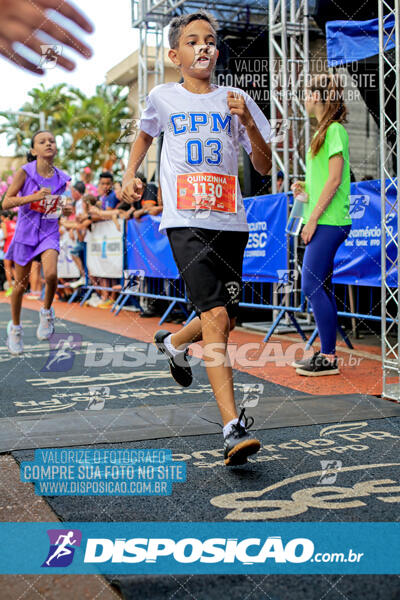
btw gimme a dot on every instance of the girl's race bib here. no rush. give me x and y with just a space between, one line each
50 206
207 191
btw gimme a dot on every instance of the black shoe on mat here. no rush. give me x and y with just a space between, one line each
178 365
239 444
297 364
319 365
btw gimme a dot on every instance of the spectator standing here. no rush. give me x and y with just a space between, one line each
86 177
148 204
326 217
108 201
78 252
280 178
106 193
8 226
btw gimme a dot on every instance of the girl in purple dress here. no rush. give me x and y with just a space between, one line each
36 190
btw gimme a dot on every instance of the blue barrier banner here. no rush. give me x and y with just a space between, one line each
266 251
349 41
148 248
200 548
358 260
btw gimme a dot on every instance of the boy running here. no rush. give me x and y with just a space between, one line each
203 214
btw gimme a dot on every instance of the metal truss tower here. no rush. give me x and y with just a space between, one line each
389 93
150 64
289 70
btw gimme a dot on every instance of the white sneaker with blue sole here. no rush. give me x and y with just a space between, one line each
14 339
46 324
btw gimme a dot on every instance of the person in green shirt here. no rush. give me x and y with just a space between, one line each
326 216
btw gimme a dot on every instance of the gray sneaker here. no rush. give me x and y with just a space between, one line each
239 444
14 339
298 364
319 365
46 324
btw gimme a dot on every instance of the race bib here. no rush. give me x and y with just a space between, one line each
50 206
207 191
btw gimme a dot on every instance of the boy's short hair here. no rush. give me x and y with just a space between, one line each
178 23
106 175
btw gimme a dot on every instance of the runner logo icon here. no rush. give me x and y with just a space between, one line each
358 204
62 547
62 355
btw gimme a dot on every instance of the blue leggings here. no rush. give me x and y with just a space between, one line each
317 280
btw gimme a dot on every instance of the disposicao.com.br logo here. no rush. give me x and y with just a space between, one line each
191 550
204 553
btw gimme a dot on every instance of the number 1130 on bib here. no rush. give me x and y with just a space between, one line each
210 191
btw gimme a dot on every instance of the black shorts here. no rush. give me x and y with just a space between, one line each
210 263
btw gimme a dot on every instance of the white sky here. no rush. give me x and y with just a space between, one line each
112 40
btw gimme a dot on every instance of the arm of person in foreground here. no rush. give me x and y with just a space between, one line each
132 186
21 20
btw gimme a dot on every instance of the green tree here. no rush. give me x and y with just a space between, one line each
20 129
86 128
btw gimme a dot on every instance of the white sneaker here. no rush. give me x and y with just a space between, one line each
94 300
78 283
46 324
14 339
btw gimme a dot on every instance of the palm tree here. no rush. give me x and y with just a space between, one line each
96 127
86 128
20 128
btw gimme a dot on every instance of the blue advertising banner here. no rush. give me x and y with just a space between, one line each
148 248
349 41
266 251
358 260
200 548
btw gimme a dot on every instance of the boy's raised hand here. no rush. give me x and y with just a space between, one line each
237 106
132 190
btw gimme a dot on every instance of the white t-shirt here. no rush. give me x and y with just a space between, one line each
79 211
79 207
200 136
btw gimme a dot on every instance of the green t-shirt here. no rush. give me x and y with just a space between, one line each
317 173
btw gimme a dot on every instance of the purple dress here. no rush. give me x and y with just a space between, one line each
35 233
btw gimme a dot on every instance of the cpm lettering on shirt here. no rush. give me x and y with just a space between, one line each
191 122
